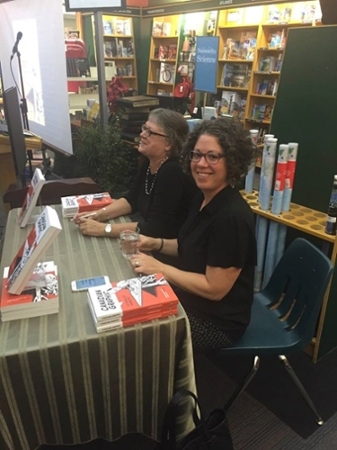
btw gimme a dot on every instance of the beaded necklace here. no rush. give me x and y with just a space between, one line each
147 190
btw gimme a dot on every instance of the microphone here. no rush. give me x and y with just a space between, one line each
15 48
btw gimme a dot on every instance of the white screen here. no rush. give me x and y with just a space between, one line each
94 4
43 62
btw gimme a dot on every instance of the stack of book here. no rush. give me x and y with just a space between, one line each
133 113
131 301
39 297
27 282
84 203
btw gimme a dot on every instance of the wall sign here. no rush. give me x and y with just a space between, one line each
206 63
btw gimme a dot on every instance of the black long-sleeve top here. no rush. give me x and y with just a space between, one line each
165 209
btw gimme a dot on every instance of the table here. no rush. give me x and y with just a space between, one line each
60 381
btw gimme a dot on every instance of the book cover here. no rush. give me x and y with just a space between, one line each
157 28
84 203
241 75
133 300
108 27
31 198
44 231
167 73
107 46
137 101
35 300
227 75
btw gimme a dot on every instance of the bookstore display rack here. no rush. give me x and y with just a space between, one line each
119 49
252 41
163 55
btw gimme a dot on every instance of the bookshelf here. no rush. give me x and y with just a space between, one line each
252 42
163 58
119 49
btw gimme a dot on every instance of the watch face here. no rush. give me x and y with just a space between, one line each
108 228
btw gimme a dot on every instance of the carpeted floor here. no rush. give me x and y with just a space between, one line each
272 420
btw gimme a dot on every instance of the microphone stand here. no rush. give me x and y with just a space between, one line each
24 111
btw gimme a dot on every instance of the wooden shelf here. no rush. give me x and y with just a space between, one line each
263 96
231 88
301 218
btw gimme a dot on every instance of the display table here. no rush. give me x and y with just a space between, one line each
60 381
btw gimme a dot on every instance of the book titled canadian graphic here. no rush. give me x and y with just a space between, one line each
132 301
45 230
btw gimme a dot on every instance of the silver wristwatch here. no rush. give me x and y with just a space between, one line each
108 228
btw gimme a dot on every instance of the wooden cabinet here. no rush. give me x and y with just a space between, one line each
163 55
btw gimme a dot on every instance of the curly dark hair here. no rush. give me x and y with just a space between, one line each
234 140
174 126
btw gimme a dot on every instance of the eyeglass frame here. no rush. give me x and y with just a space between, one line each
149 132
193 153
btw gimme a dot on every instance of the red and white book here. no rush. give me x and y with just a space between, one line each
41 236
31 198
132 301
84 203
38 298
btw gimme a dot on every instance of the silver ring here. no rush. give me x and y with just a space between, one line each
137 264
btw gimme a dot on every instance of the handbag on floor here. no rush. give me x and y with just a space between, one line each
209 434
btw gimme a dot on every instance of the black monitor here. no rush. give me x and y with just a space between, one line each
15 131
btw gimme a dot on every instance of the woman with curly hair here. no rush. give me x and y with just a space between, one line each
216 246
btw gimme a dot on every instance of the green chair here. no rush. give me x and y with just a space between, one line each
285 312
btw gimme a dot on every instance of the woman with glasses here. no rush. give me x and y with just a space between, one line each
161 193
216 246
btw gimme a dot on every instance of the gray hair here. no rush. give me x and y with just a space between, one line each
174 126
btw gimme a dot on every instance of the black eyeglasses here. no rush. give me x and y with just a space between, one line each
149 132
210 157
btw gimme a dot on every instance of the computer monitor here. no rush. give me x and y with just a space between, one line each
15 131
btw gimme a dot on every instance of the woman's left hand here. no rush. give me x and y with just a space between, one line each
145 264
91 227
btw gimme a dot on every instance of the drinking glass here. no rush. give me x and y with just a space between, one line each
128 242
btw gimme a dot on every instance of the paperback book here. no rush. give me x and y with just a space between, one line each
84 203
132 301
44 231
39 297
136 101
31 198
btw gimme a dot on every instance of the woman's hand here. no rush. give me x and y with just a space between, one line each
99 216
145 264
91 227
148 244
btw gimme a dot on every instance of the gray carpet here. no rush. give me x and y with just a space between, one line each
252 425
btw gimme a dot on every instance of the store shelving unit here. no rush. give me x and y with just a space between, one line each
163 55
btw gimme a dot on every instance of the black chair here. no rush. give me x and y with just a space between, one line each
285 312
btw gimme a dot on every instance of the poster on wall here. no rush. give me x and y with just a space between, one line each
206 62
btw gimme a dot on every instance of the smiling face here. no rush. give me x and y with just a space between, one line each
210 178
152 145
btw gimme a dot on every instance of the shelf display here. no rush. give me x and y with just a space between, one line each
119 49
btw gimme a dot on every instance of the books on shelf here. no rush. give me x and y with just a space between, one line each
44 231
131 301
261 112
232 103
167 73
78 67
236 75
266 87
39 297
31 198
84 203
108 27
137 101
244 48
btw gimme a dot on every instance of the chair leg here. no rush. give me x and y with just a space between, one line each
238 391
301 388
